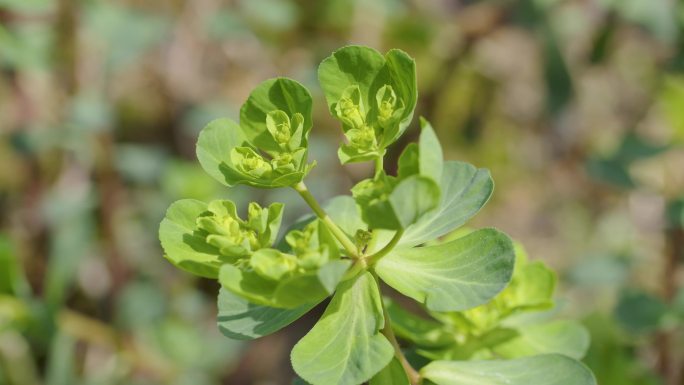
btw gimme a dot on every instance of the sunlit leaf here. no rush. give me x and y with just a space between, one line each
457 275
346 347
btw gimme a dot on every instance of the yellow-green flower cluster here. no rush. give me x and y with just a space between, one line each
364 128
286 157
308 253
234 237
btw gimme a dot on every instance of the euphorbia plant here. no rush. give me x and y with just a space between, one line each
386 230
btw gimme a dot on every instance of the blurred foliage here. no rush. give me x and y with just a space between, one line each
577 108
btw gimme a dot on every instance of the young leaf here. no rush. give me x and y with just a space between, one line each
425 158
464 191
531 288
182 245
457 275
346 347
242 320
547 369
286 96
564 337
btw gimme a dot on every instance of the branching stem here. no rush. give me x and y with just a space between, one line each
348 245
372 259
413 375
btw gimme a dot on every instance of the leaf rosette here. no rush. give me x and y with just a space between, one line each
372 95
269 147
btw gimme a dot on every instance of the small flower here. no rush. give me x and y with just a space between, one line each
306 245
250 163
286 131
363 138
232 236
387 106
349 109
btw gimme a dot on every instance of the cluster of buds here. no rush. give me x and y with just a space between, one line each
285 157
372 191
247 244
307 254
362 132
234 237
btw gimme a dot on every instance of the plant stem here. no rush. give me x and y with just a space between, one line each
372 259
379 165
348 245
413 375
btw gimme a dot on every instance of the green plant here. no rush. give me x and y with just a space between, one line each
385 231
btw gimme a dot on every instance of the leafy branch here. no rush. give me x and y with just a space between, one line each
389 229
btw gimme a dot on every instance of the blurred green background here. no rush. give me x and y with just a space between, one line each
577 107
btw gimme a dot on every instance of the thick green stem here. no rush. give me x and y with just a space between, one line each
413 375
372 259
348 245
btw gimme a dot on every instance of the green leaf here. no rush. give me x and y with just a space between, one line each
547 369
345 213
386 204
456 275
393 374
464 191
289 292
346 347
242 320
564 337
226 155
182 245
412 198
352 66
420 331
279 94
531 288
365 90
425 158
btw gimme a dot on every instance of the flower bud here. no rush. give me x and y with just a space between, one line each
349 109
229 246
286 132
249 162
362 138
272 264
278 124
257 217
362 238
387 102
